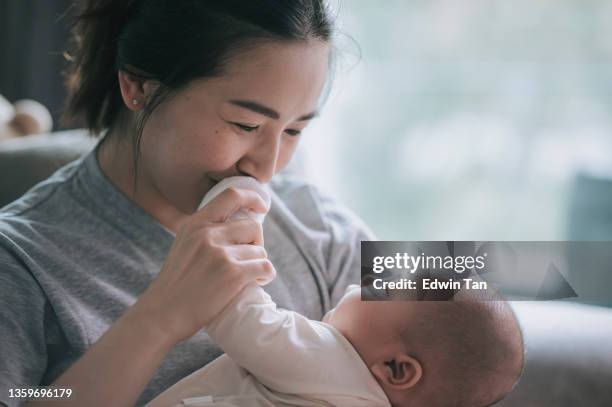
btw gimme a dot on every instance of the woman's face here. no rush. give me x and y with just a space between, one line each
245 122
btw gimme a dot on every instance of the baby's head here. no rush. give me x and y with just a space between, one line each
464 352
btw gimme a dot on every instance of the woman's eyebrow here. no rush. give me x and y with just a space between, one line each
267 111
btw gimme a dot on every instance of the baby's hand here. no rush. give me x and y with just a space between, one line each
248 183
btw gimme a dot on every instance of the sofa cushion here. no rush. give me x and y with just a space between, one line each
25 161
568 355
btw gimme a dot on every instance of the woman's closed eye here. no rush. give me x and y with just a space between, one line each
251 128
246 127
293 132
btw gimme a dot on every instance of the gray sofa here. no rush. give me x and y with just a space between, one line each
569 345
28 160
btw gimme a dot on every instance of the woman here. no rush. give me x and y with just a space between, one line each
104 266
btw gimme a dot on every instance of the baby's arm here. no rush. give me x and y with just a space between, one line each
282 349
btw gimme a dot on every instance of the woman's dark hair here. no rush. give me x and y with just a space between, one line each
172 42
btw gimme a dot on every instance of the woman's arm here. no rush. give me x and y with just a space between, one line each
116 369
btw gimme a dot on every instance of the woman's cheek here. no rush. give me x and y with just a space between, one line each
223 149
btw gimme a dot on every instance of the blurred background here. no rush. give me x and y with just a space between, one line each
32 40
471 120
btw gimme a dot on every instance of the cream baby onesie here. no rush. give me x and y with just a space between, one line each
276 357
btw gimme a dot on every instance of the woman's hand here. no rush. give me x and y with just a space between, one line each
210 262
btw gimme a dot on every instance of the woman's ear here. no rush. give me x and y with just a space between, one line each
400 373
134 91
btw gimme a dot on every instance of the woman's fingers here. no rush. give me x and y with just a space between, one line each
235 232
260 270
230 201
242 252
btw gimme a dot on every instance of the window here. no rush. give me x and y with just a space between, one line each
467 120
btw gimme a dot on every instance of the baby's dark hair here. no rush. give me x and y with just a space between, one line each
471 348
171 43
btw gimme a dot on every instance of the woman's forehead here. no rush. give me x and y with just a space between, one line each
288 78
272 56
288 82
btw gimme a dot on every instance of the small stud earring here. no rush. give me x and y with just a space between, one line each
134 101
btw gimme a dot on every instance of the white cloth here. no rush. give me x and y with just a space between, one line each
274 358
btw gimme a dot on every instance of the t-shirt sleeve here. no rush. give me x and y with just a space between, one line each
23 356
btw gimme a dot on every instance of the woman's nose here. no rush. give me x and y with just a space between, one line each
260 161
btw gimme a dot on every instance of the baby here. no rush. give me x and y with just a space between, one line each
461 352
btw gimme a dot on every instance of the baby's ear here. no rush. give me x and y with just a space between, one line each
400 373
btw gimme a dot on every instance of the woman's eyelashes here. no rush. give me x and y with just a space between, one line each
293 132
249 129
245 127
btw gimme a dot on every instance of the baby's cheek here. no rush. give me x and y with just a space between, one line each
347 306
328 317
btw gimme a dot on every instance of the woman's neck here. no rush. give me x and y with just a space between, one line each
115 158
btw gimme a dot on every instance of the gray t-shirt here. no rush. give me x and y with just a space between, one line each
75 253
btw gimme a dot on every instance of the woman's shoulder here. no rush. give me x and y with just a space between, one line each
312 206
41 193
35 216
322 230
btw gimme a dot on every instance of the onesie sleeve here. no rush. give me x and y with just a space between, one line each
23 352
284 350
